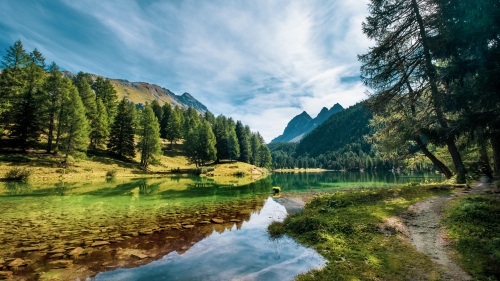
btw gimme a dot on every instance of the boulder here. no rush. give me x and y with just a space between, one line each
139 256
188 226
17 262
60 263
204 222
56 256
5 274
77 251
216 220
99 243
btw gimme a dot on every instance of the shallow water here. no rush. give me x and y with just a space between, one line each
247 253
170 221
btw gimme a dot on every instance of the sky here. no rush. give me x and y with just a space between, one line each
259 61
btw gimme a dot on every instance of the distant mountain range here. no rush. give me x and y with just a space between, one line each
142 92
303 124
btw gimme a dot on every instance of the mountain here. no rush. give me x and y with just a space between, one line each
302 124
142 92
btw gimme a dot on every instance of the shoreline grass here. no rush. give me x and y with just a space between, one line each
473 224
360 234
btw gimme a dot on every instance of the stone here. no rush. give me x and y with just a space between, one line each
30 249
204 222
139 256
60 263
17 262
145 232
56 251
99 243
235 220
77 251
56 256
188 226
216 220
5 274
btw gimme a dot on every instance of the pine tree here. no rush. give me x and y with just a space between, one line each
220 129
232 145
244 143
166 111
265 157
173 130
27 112
150 144
87 95
75 127
191 120
54 91
12 81
157 110
121 138
100 127
105 91
200 144
255 144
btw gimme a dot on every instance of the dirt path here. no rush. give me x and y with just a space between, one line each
426 234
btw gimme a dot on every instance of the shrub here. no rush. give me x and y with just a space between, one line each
17 173
111 174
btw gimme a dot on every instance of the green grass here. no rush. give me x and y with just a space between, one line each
473 224
360 236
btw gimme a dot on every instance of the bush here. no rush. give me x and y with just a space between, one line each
111 174
240 173
176 170
19 174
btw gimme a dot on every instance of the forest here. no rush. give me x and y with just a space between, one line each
434 91
43 110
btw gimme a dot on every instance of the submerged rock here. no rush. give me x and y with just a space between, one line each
99 243
17 262
5 274
77 251
139 256
188 226
217 220
61 263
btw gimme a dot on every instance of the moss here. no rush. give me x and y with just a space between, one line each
473 224
348 229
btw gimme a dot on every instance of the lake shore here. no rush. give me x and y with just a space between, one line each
364 233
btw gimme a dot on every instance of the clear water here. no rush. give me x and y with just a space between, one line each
62 215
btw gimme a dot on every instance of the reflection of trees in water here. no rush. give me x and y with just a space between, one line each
146 189
16 187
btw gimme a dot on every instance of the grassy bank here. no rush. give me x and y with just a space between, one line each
473 224
360 235
98 164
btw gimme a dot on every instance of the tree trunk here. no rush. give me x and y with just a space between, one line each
495 144
441 166
485 161
431 74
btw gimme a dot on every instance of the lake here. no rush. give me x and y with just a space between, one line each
176 228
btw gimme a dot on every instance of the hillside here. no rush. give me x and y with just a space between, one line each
142 92
303 123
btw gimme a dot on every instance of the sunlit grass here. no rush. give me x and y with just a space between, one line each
474 228
351 230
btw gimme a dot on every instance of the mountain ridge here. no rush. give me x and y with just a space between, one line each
142 92
303 124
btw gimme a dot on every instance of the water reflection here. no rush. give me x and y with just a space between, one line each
235 254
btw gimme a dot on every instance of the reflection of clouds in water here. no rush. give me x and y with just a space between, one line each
245 254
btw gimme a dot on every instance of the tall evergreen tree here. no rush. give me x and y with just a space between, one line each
255 144
173 128
121 138
166 111
200 144
100 127
27 114
105 91
12 81
244 142
232 145
87 95
150 144
54 91
220 129
191 120
75 128
157 110
265 157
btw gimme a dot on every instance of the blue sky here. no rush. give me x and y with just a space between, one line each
258 61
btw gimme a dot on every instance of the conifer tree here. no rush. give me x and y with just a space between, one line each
87 95
232 145
27 111
157 110
149 145
53 90
166 111
243 142
121 138
76 129
105 91
255 144
265 157
191 120
100 127
200 144
12 81
220 129
173 130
